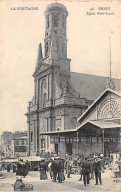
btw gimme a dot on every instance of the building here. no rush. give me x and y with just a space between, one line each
60 96
99 130
19 146
17 134
6 142
101 122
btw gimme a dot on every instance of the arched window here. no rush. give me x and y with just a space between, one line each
55 19
44 100
46 48
47 21
74 121
110 108
43 92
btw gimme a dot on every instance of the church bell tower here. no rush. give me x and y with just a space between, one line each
55 32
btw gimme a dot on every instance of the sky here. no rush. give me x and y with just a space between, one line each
23 30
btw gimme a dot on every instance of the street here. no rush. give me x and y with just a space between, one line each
109 183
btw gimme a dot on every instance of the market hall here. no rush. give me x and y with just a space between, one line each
99 129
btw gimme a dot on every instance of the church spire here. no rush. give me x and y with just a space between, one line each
40 55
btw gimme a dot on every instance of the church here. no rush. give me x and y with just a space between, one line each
61 97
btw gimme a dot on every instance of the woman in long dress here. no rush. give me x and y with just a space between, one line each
24 171
61 176
43 170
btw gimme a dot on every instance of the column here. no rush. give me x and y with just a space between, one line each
77 143
103 131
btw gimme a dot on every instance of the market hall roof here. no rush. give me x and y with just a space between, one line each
100 124
97 100
58 132
91 86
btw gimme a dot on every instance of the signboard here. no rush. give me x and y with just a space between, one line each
20 148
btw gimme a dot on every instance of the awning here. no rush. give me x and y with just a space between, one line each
32 158
99 124
58 132
10 160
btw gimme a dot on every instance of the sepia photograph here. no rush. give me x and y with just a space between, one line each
60 101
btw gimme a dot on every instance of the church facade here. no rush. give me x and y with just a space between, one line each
59 98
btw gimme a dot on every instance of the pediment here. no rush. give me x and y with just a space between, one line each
106 106
41 68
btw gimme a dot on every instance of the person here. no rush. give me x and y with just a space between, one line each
60 170
43 170
54 168
92 168
116 168
50 168
14 168
19 169
75 161
80 161
19 185
68 165
27 167
8 167
97 169
86 169
24 171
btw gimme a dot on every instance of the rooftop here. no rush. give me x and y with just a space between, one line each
91 86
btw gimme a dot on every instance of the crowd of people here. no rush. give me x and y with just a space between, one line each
21 167
89 168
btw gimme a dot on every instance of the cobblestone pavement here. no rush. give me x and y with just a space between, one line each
109 183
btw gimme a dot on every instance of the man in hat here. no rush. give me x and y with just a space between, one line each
97 169
68 165
86 169
54 168
60 170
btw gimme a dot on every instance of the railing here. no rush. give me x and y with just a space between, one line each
71 100
60 101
